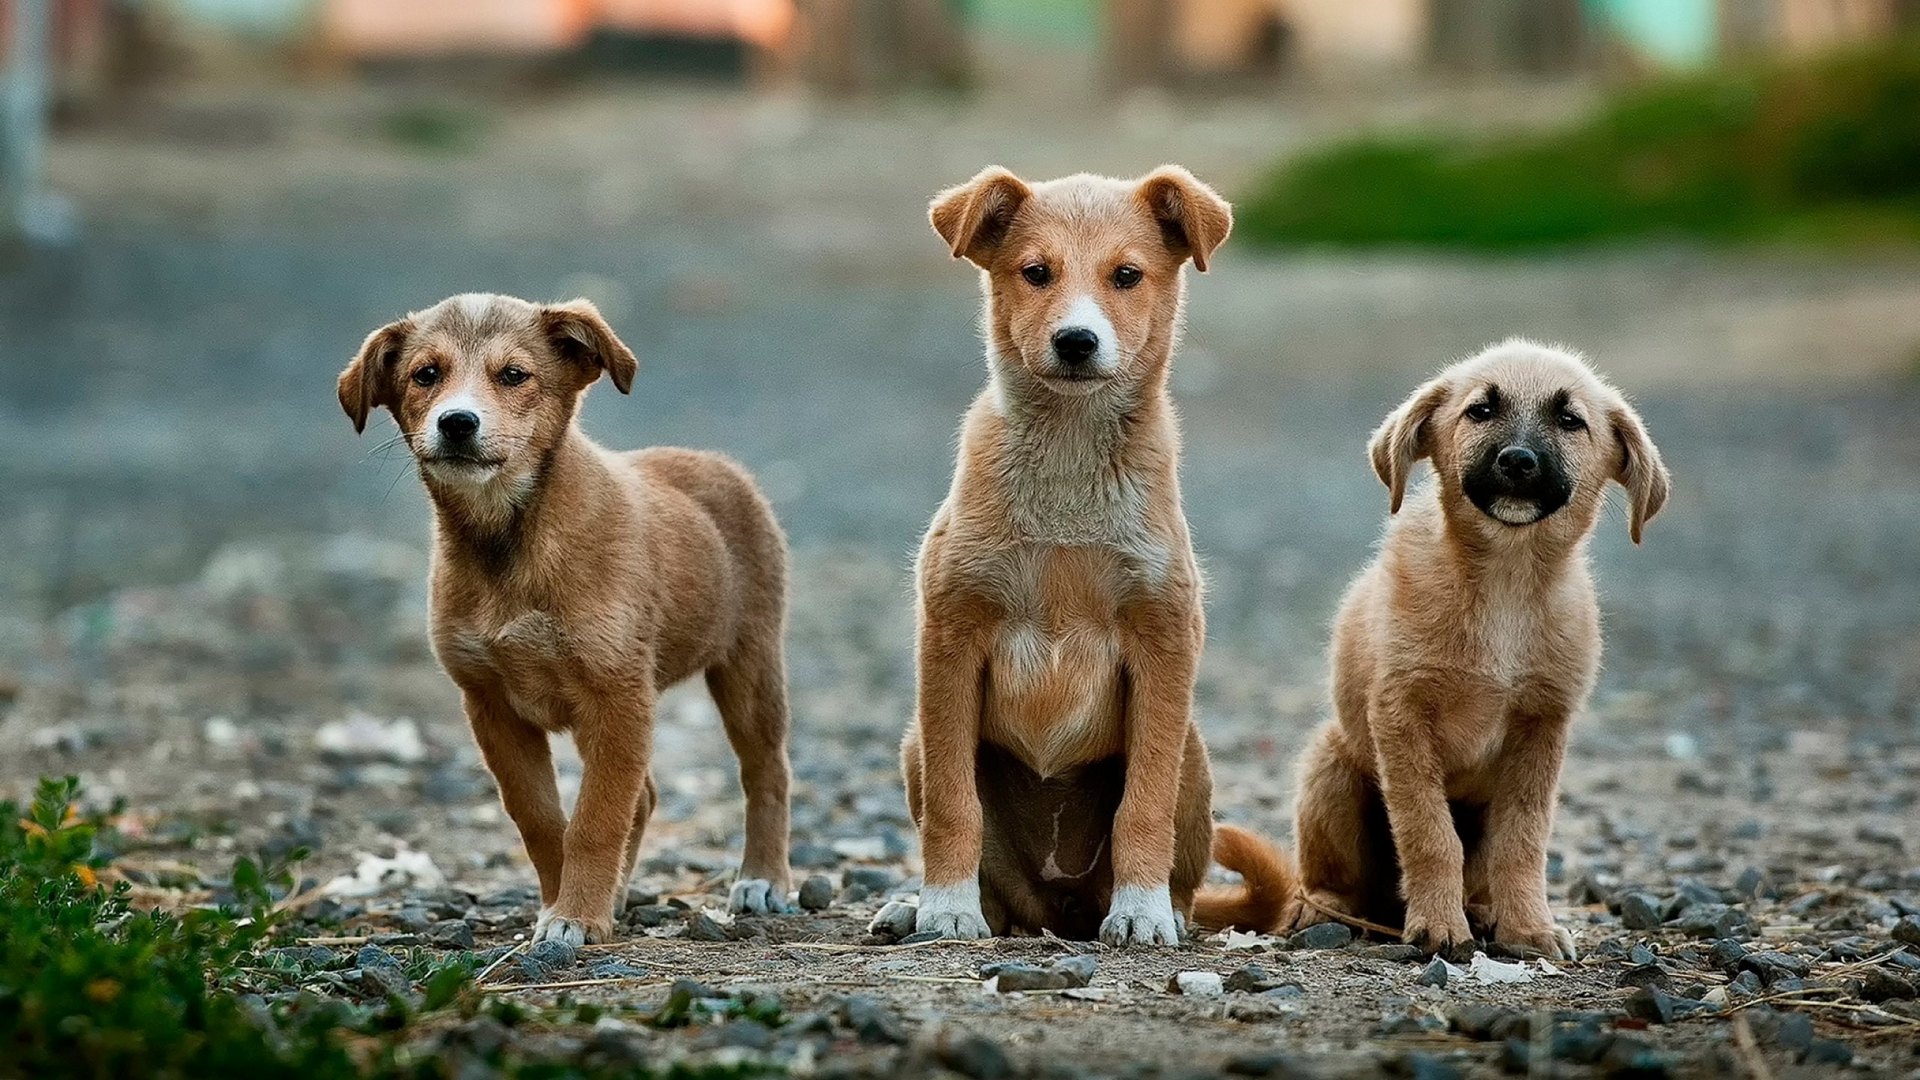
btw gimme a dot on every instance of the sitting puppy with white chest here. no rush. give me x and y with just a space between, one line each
1460 656
571 584
1054 768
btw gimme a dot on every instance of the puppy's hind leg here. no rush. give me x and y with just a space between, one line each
649 798
1333 841
750 689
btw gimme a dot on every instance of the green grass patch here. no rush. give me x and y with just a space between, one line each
1826 151
90 987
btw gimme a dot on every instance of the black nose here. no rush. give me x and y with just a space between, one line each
458 425
1075 344
1518 462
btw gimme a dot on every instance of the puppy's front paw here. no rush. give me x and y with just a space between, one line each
952 911
571 931
1550 940
1140 916
757 896
1436 928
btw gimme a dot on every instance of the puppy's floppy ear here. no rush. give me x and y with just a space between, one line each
973 217
1193 216
578 331
1402 439
1639 469
367 383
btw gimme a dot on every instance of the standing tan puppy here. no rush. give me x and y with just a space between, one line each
1054 768
571 584
1459 658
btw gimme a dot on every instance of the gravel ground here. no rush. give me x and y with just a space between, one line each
212 601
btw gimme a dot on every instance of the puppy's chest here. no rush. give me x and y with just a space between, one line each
1070 504
1053 679
531 657
1509 640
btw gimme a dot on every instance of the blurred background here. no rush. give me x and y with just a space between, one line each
208 203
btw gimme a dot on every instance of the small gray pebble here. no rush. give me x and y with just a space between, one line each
872 1021
1017 977
371 956
816 893
385 980
1726 954
975 1056
895 920
1326 935
1640 911
451 934
1907 930
617 969
1645 975
551 953
1079 968
704 928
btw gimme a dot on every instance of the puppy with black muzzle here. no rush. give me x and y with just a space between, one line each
571 584
1459 658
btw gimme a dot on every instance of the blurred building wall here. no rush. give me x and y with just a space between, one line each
415 27
876 46
1370 32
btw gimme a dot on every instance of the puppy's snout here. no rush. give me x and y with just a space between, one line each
458 425
1518 463
1075 344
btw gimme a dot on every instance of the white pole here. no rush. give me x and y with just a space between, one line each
23 116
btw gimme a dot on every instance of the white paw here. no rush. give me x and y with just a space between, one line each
952 911
573 932
756 896
1141 916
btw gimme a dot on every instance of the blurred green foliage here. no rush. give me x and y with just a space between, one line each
1824 151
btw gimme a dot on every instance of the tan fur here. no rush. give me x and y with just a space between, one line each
1060 617
1459 658
571 584
1268 882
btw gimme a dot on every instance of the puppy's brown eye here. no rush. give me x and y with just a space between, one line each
1481 411
1036 274
1126 277
513 376
1570 421
427 376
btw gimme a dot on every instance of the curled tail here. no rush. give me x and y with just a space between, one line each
1268 882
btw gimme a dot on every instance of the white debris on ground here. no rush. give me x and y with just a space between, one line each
375 874
369 738
1198 984
1233 940
220 732
1487 970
